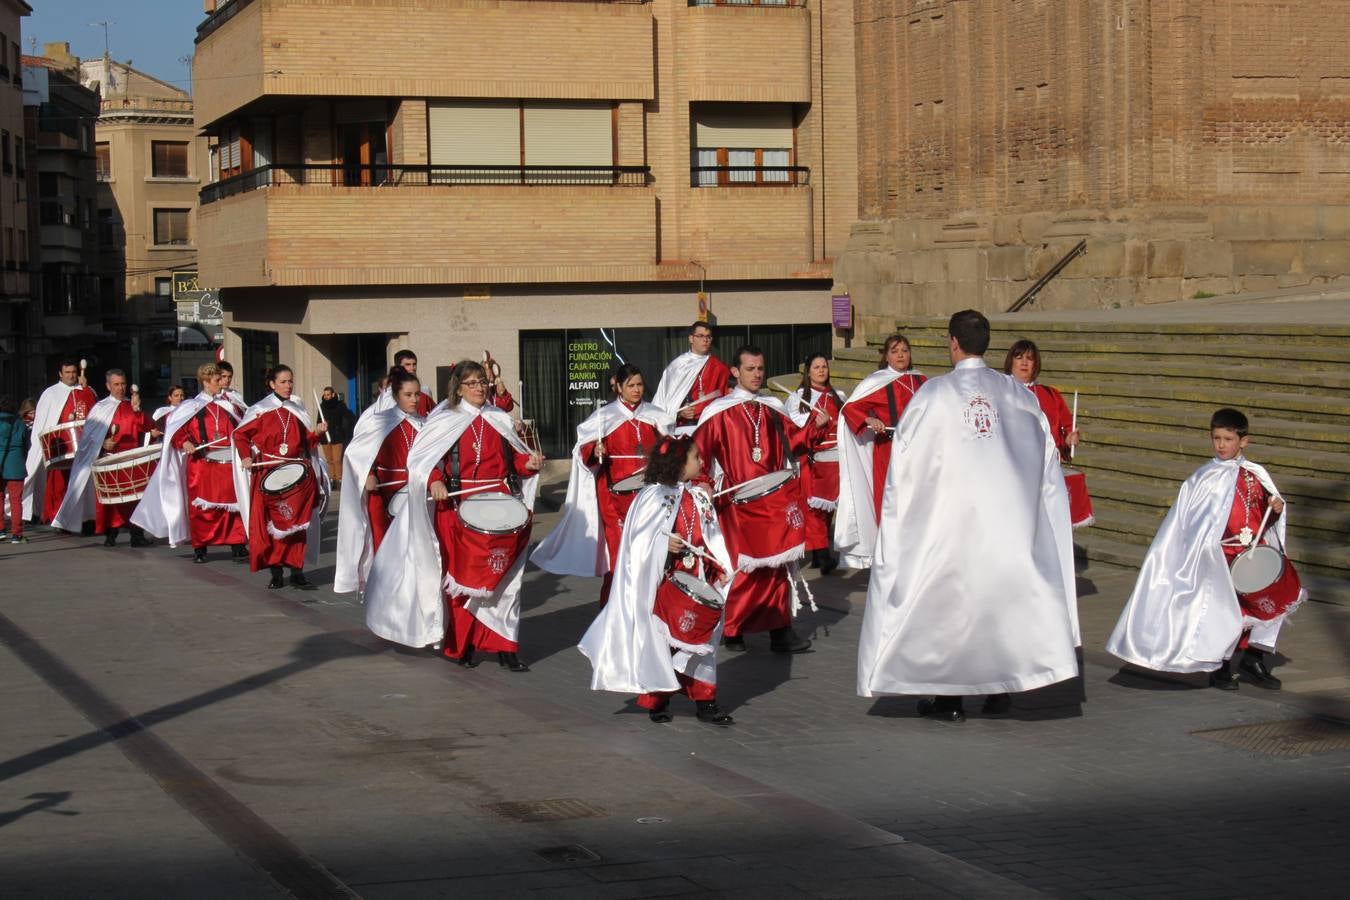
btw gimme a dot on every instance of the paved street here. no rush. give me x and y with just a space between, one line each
177 730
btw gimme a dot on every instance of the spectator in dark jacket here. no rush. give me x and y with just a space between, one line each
340 420
13 468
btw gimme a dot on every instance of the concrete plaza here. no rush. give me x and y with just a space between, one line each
178 730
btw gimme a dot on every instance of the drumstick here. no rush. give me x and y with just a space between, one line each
690 547
319 408
692 403
1264 519
778 387
219 440
1074 425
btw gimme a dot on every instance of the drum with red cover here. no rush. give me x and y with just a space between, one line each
690 609
1266 583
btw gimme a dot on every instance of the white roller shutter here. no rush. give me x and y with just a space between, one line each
569 134
474 133
749 125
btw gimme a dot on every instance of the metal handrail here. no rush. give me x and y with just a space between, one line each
1078 250
786 176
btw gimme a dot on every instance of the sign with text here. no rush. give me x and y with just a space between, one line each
589 363
841 311
201 321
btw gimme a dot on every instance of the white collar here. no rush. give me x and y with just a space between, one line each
972 362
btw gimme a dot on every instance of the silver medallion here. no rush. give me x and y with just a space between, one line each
756 454
284 448
1245 537
688 560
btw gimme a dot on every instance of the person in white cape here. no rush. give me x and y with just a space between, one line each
608 458
435 579
191 495
692 380
658 634
972 585
820 466
69 400
1184 614
375 481
866 435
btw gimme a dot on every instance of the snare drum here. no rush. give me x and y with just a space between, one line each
493 513
630 485
1080 503
60 442
218 455
690 608
1266 582
289 493
482 539
122 477
762 486
828 455
284 478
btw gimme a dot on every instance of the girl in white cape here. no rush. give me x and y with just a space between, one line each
657 635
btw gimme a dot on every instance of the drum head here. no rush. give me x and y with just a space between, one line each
762 485
631 484
697 588
218 454
1257 568
829 454
283 477
493 513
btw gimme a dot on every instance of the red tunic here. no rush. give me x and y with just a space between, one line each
633 438
1249 507
213 510
876 405
1057 414
762 535
710 384
278 522
391 474
820 478
473 560
130 431
78 404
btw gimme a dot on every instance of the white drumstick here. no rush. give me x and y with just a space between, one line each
319 410
690 547
201 447
625 456
1260 531
1074 425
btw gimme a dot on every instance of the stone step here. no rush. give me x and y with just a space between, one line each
1002 324
1173 423
1323 490
1102 447
1153 348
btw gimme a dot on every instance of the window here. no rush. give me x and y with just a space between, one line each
743 144
483 133
11 260
107 228
49 185
164 295
169 159
557 141
171 226
23 247
231 151
6 153
103 157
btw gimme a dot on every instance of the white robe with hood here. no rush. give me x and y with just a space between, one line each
163 511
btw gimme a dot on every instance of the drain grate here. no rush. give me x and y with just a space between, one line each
1286 739
545 810
568 853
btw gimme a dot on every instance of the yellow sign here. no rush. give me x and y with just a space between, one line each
477 292
703 306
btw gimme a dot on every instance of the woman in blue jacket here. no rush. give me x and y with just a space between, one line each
13 458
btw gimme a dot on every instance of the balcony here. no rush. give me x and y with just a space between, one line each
402 176
165 110
755 52
748 176
257 234
249 50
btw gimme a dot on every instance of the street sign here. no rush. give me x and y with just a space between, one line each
201 321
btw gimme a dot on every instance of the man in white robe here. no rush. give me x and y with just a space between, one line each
692 381
972 586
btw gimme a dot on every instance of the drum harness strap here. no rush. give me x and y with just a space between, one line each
509 452
890 402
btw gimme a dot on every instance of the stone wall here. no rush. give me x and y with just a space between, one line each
1199 146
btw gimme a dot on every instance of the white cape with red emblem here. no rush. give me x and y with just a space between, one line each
81 503
48 411
626 644
972 586
404 593
1183 615
163 511
576 545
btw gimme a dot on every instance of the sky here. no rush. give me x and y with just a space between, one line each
153 34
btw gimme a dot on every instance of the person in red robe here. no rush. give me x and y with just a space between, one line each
127 431
748 436
407 361
275 432
484 461
213 510
699 368
619 455
881 410
820 467
389 474
80 399
1023 363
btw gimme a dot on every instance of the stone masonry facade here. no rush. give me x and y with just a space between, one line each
1200 147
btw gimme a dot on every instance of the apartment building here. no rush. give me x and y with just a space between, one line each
18 362
151 163
554 181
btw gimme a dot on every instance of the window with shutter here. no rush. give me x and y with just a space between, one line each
742 144
169 159
568 138
103 160
171 226
472 141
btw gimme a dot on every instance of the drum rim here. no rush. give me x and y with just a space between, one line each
123 457
615 489
777 487
679 585
1251 554
493 498
62 426
262 482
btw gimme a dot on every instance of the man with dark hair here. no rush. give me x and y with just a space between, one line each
692 380
972 588
749 440
228 390
69 400
407 361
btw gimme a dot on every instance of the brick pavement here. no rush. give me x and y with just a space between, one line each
1095 789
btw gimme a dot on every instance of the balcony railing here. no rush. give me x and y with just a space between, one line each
747 2
748 176
395 176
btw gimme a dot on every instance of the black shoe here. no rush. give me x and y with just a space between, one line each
1254 667
510 661
996 705
942 709
110 539
830 563
199 555
239 553
138 539
815 560
278 581
709 712
734 642
785 640
301 583
466 661
1224 678
661 715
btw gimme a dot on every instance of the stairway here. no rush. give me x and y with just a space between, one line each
1146 391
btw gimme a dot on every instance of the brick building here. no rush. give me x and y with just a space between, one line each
1200 147
20 364
530 177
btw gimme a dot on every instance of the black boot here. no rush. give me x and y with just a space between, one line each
943 709
733 642
815 560
1224 678
199 554
278 580
1253 665
709 712
138 538
300 582
661 714
110 537
239 553
829 563
785 640
996 705
508 660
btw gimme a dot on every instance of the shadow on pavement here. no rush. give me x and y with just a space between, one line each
42 802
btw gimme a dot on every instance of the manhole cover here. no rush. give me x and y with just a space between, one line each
1287 739
569 853
545 810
